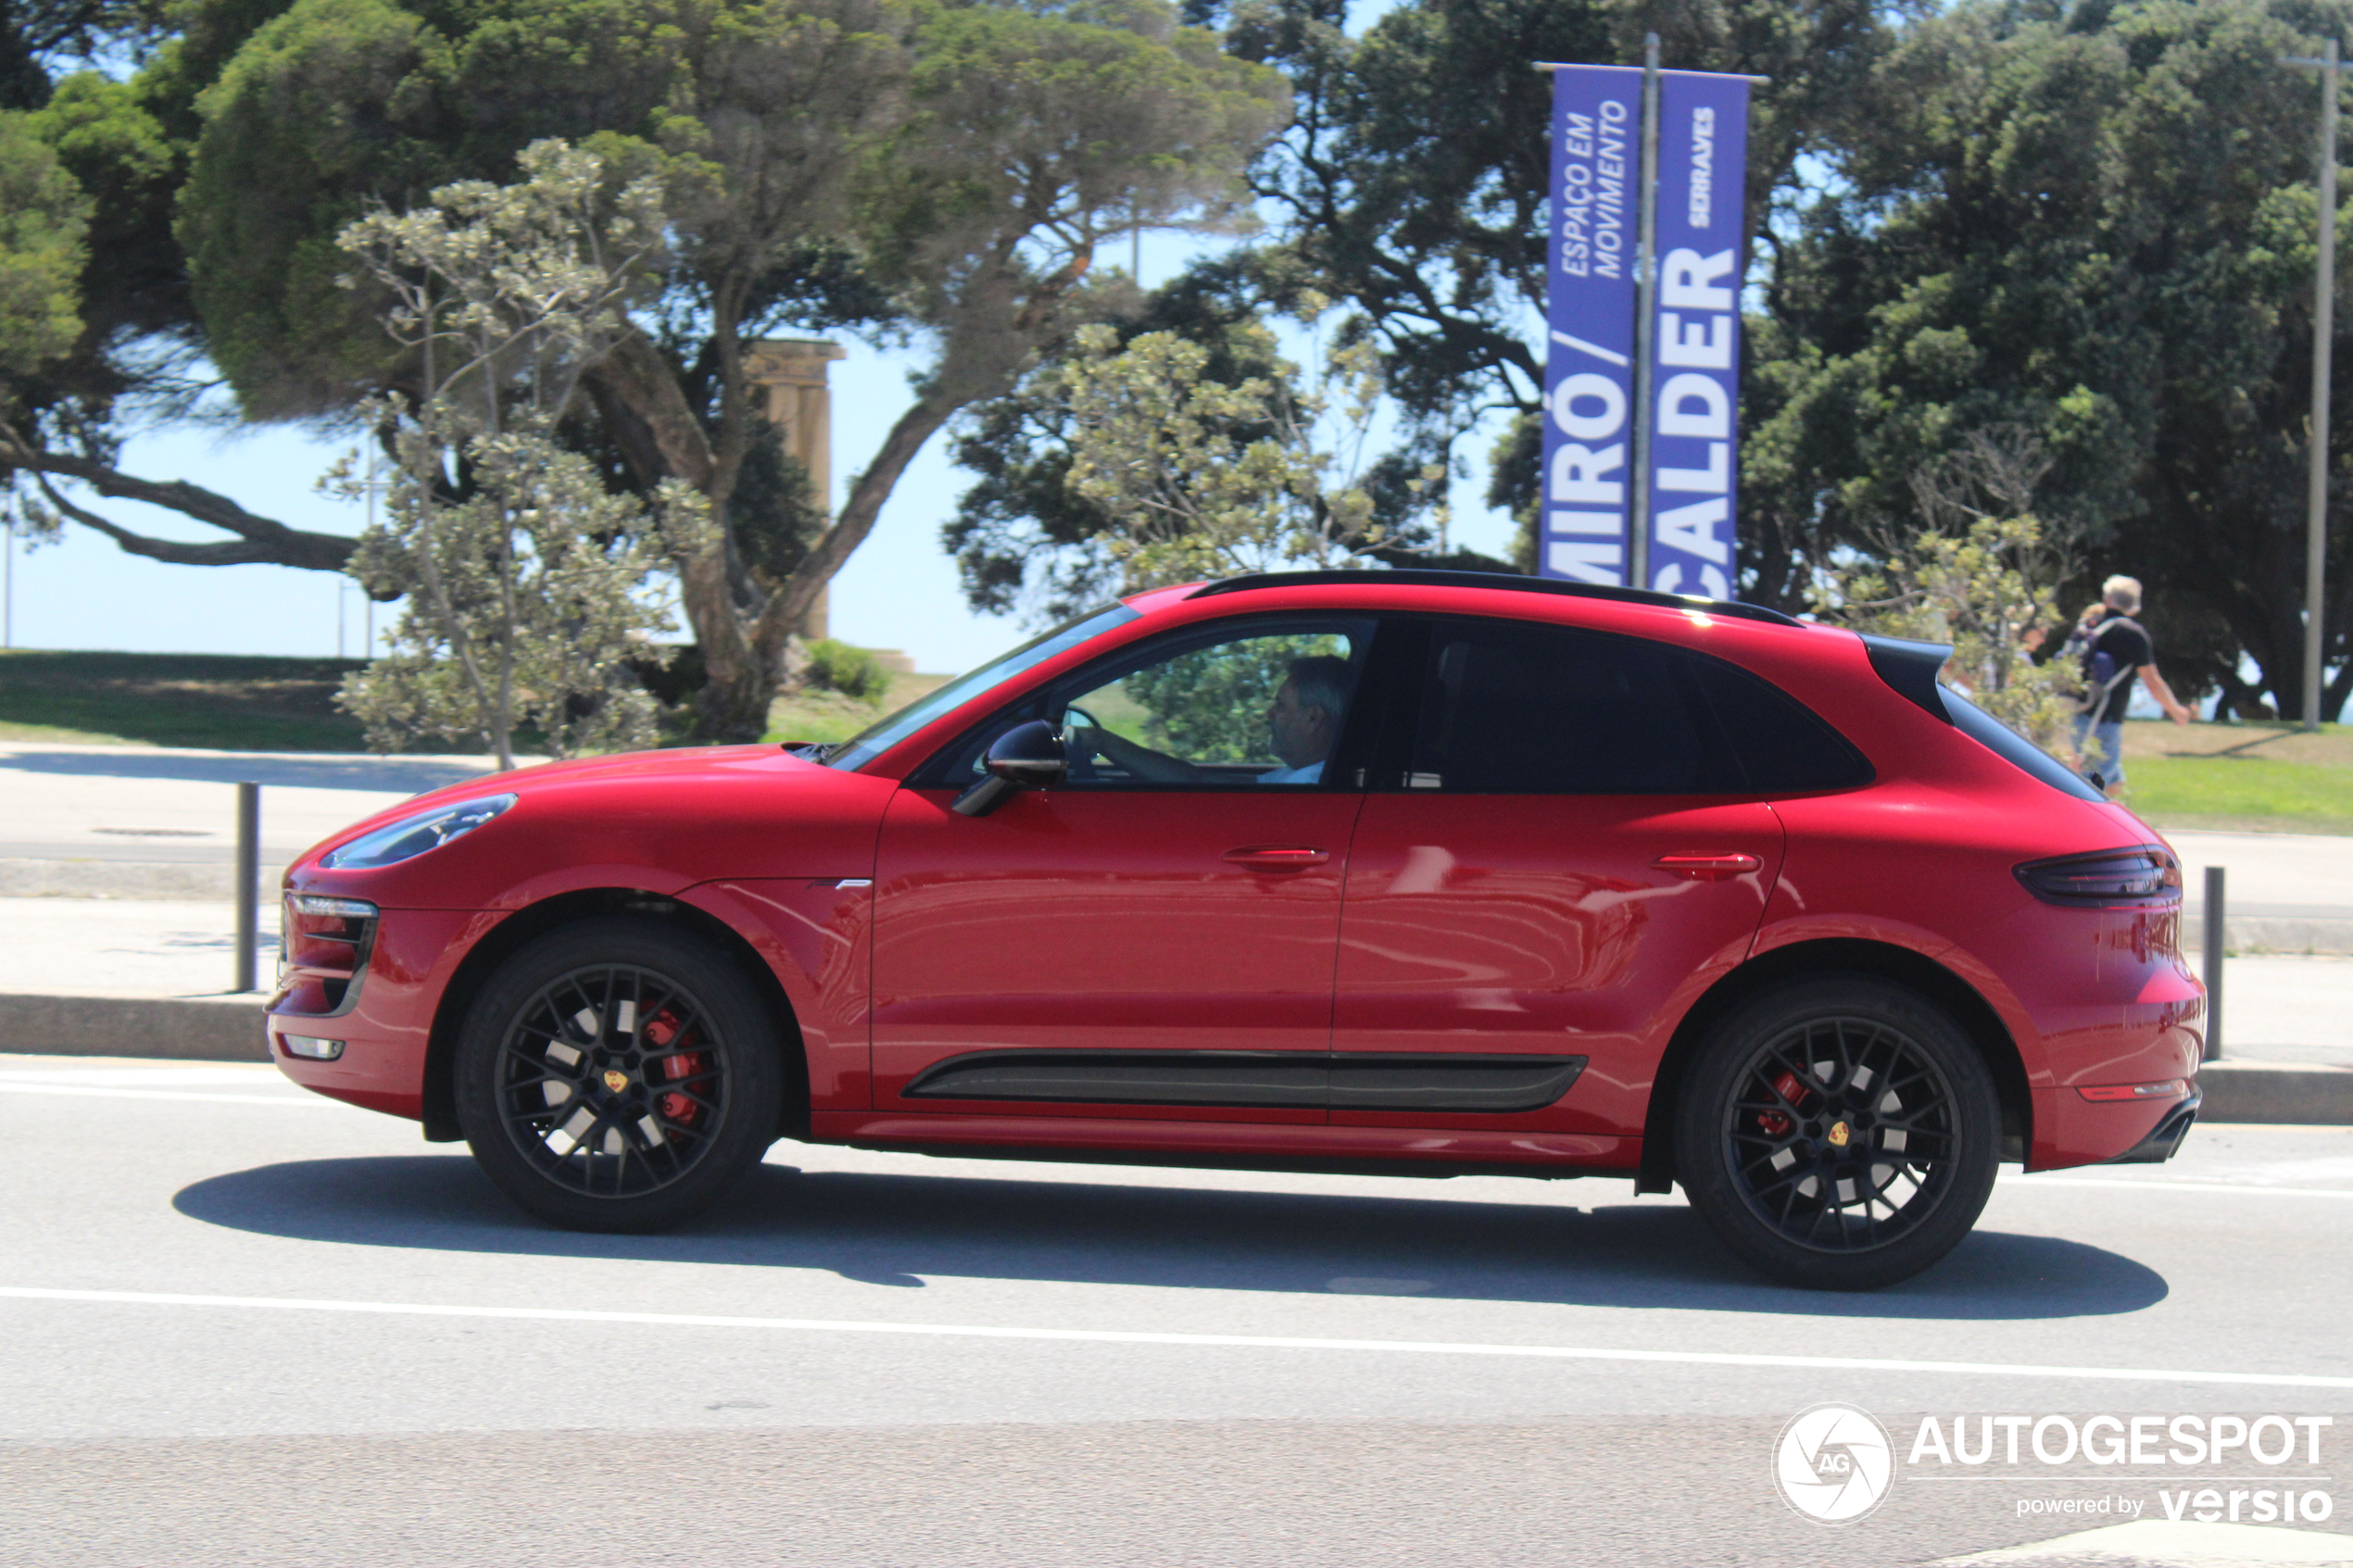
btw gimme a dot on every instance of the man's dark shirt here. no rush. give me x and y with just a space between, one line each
2128 646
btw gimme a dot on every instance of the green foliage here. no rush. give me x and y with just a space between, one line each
525 607
1204 477
2098 226
1981 591
294 143
854 673
773 515
44 218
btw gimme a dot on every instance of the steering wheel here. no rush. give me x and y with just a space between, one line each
1081 757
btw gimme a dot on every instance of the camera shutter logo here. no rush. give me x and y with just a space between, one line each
1833 1463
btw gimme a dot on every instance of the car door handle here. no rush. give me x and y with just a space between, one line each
1707 867
1278 857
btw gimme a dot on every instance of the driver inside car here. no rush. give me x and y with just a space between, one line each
1302 725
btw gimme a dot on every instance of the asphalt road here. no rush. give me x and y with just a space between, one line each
242 1325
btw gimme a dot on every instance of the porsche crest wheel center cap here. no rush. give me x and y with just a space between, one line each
1838 1132
616 1080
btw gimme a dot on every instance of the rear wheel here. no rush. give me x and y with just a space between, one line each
617 1075
1839 1134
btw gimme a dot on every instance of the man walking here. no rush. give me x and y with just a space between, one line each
2112 646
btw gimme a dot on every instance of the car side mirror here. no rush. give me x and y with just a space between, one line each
1025 757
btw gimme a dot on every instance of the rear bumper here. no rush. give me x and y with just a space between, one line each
2166 1136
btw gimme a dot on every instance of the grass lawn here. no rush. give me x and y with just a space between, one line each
828 716
2259 777
220 701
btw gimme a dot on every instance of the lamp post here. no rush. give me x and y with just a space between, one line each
2316 501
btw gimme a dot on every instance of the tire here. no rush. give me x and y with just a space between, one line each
617 1075
1788 1099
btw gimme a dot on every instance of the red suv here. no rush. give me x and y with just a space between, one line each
1400 871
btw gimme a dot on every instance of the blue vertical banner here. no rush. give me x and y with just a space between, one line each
1589 373
1703 146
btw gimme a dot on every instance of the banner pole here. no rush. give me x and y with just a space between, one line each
1646 321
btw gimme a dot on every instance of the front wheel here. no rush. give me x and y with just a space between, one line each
617 1075
1839 1134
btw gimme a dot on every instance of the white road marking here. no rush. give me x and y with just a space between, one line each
2184 1543
152 1077
2022 1183
1137 1336
163 1094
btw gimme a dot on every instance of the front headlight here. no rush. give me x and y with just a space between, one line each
411 836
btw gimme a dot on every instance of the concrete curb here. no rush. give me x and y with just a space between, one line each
173 1028
2279 1092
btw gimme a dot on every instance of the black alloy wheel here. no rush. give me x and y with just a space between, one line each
617 1075
1840 1133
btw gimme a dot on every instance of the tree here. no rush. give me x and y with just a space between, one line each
44 218
1981 574
945 173
1412 180
1411 189
1201 477
524 575
2097 225
38 35
1028 537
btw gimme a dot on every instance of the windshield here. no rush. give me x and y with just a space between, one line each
868 744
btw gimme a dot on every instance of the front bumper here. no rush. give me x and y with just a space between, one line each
383 1013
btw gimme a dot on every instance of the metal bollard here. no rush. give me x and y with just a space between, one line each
2213 965
248 879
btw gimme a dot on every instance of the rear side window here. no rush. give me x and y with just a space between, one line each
1513 707
1516 708
2015 749
1783 746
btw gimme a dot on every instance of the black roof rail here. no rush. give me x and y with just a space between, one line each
1411 577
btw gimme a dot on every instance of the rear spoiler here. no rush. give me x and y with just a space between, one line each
1910 669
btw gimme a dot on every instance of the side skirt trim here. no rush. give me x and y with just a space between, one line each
1434 1081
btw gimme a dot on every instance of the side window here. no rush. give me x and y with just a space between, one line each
1264 703
1783 746
1514 708
1266 708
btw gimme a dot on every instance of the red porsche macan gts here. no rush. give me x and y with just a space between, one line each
1413 871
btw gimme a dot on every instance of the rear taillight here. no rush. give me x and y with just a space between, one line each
2148 874
2172 1088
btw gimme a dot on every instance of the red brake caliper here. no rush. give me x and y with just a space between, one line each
676 1108
1775 1123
